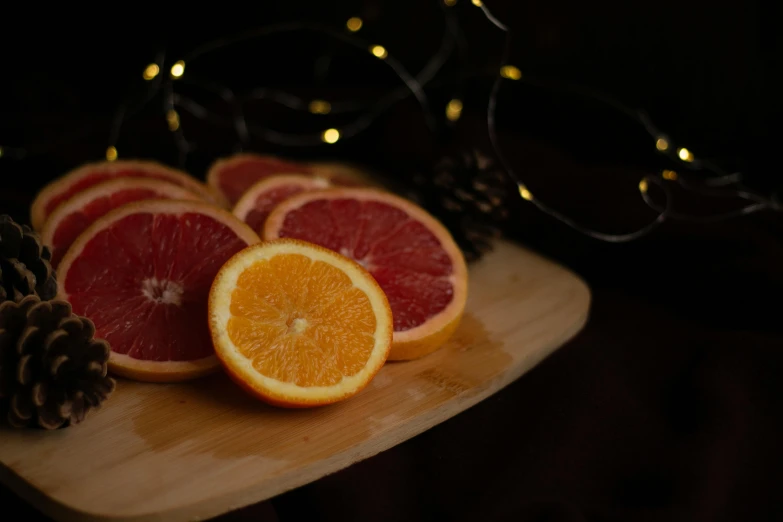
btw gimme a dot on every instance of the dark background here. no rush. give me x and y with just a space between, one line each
667 407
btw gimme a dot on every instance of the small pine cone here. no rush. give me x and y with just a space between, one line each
25 267
52 369
470 195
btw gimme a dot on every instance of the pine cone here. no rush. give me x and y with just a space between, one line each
25 267
52 369
470 196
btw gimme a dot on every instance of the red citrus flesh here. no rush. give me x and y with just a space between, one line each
235 175
262 198
142 274
86 176
409 253
73 217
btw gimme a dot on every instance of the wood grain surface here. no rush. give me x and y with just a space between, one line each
194 451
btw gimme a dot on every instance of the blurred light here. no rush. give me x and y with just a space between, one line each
662 144
450 3
111 153
510 72
173 118
643 186
685 154
354 24
320 107
151 71
670 175
477 3
178 69
1 152
454 109
525 193
379 51
330 136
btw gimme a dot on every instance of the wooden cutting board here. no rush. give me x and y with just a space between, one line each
194 451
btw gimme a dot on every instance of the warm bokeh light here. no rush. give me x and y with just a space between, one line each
178 69
510 72
662 144
669 175
173 118
111 153
643 186
477 3
379 51
354 24
525 193
450 3
151 71
320 107
330 136
454 109
685 154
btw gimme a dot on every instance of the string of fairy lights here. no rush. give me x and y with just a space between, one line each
163 79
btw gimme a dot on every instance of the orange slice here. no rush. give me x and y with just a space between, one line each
410 254
142 274
254 207
297 325
61 190
74 216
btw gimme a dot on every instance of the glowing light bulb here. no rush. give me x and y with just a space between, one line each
178 69
685 154
151 71
330 136
379 51
662 144
354 24
454 109
320 107
173 118
111 153
643 186
525 193
510 72
669 175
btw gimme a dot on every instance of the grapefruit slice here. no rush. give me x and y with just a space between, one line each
410 254
341 174
142 274
256 204
74 216
233 176
298 325
86 176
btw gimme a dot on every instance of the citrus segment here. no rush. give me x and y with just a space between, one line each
298 325
233 176
86 176
256 204
410 254
142 274
74 216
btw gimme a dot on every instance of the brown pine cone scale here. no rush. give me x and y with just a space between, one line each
25 267
52 369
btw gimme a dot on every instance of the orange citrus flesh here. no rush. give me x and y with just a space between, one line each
298 325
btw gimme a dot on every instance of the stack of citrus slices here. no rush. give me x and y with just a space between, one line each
301 293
